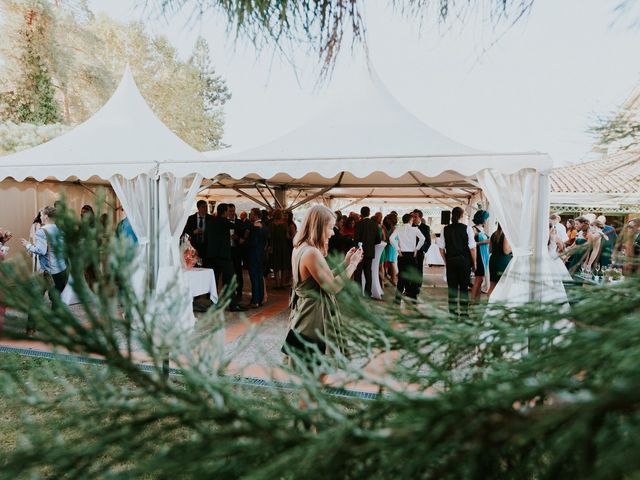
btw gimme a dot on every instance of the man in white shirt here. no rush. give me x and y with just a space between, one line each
458 249
407 241
561 230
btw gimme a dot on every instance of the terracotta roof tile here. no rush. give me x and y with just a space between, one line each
617 173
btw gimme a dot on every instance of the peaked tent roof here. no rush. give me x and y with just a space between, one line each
124 137
369 134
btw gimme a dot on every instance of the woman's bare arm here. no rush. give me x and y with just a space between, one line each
506 248
315 265
595 251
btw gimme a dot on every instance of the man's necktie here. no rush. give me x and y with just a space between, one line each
201 227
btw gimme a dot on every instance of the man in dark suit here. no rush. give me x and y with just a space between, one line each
239 234
367 233
196 228
420 224
219 250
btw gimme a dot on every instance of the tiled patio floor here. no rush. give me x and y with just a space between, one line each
252 339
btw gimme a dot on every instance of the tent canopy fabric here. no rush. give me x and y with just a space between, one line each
123 138
368 134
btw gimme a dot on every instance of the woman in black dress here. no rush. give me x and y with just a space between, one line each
482 245
279 248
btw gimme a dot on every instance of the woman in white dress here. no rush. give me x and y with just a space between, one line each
556 247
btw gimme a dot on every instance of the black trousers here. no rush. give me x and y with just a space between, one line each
407 275
365 266
222 267
420 268
236 258
458 282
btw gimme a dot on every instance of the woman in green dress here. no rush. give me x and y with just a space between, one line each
315 315
578 252
500 257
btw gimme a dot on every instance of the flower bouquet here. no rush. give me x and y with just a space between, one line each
189 255
613 275
5 236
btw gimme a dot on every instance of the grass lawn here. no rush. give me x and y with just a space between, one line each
27 409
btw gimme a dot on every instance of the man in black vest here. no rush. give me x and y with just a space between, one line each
196 228
458 249
219 250
368 234
420 224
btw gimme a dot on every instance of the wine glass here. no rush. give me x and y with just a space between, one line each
600 272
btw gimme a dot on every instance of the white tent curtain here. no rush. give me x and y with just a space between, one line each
177 195
519 202
134 196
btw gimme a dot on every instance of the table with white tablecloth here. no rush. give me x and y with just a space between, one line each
202 281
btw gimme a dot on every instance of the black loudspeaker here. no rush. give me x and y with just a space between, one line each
445 217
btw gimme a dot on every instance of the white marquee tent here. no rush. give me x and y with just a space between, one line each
124 142
365 144
365 141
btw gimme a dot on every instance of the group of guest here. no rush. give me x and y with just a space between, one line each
589 243
466 249
401 260
260 242
50 261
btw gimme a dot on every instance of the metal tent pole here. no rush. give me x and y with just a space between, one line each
539 235
154 245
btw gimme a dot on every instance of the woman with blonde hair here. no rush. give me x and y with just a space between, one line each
315 316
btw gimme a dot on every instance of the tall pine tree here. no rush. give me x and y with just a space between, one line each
30 97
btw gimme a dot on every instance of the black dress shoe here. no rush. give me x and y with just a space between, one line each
237 308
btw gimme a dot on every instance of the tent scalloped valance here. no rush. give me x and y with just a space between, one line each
393 167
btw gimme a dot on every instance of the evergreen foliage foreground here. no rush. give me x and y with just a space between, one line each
527 393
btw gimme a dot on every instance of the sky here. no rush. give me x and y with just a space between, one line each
535 86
